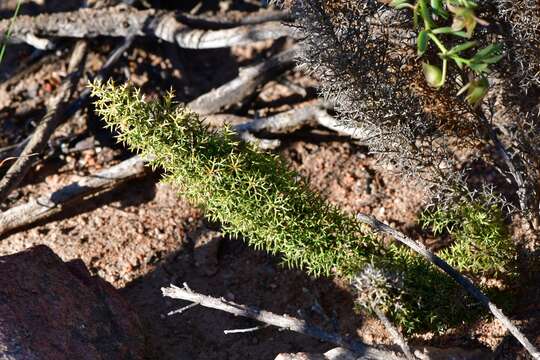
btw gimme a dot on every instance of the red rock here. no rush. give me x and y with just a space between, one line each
55 310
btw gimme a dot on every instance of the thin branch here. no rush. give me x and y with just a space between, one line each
285 122
53 203
296 118
244 84
182 309
454 274
241 331
15 150
282 321
215 22
48 124
394 332
123 21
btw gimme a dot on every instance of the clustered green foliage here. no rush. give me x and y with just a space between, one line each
427 300
413 294
481 243
255 194
456 18
251 193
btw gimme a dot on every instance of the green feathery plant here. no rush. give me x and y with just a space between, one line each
7 34
437 20
255 194
481 243
249 192
413 293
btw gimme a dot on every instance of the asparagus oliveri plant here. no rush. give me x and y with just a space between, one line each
257 195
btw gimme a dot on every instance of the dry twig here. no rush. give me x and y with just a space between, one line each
215 22
48 124
282 321
285 122
296 118
394 332
244 84
48 205
123 21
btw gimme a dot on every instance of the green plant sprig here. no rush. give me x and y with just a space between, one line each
426 15
256 195
481 243
7 34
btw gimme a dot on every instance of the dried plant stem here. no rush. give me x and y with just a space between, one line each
296 118
48 205
48 124
244 84
455 275
394 332
282 321
241 331
123 21
217 22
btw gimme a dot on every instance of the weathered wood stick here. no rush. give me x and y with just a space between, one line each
123 21
394 333
218 22
47 205
244 84
48 124
364 351
293 119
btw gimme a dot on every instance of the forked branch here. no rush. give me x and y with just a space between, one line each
364 351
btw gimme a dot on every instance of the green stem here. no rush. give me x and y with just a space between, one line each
444 69
7 34
437 42
423 6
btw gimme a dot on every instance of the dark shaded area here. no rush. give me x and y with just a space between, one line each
247 277
55 310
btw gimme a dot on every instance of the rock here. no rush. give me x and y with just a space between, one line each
55 310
